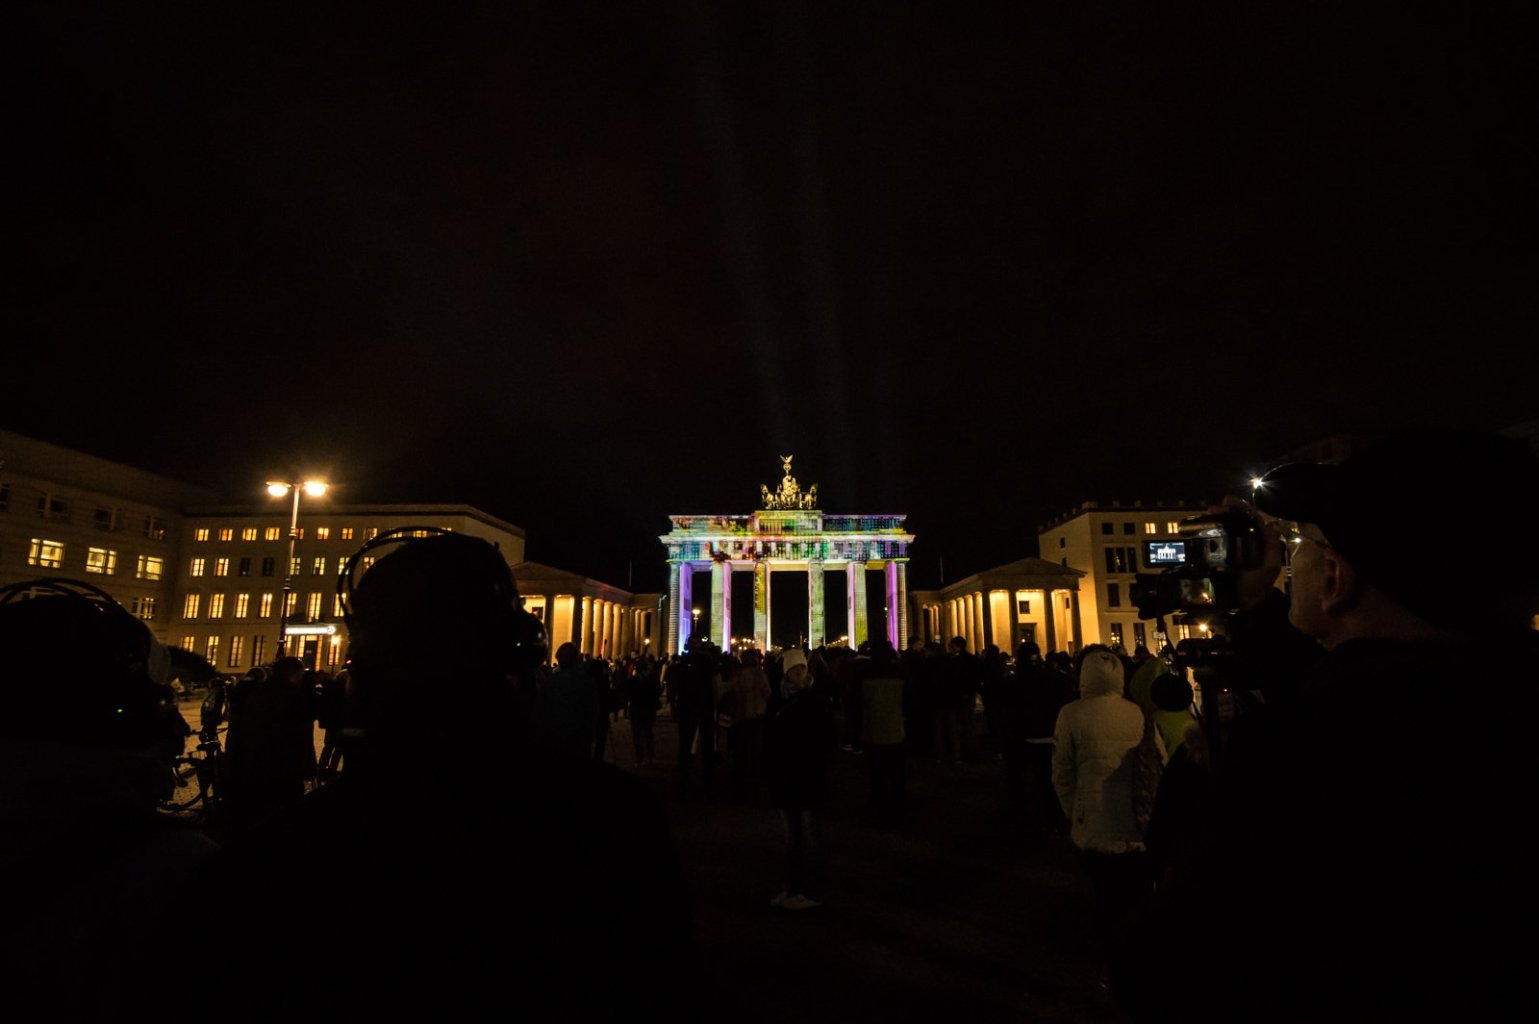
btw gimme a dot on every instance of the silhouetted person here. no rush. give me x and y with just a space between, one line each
90 873
693 681
566 707
270 746
466 873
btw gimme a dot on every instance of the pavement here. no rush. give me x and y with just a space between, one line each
958 915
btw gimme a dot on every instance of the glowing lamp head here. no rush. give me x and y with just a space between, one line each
1256 482
277 490
315 488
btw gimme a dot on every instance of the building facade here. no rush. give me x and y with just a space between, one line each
1032 599
1109 543
602 620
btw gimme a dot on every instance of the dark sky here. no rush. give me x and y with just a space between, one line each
588 265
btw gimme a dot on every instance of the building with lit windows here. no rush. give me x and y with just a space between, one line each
1109 543
66 514
210 578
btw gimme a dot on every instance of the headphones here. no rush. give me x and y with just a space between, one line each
520 637
113 674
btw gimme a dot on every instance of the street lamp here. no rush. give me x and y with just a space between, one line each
279 489
694 630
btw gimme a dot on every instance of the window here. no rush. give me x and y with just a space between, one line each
312 607
1022 606
102 560
1063 542
221 567
242 605
237 649
1107 528
52 507
1121 559
318 567
190 606
268 564
200 534
1150 528
49 554
334 652
188 642
1127 527
1114 595
323 533
143 608
243 568
198 565
1116 635
289 604
225 533
1111 560
265 607
1172 527
216 606
148 568
211 650
154 528
272 533
296 565
368 562
248 533
1140 635
347 533
258 642
106 518
373 532
336 606
299 533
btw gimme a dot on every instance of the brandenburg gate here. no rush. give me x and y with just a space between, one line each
788 533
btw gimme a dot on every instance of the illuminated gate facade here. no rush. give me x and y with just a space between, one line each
788 533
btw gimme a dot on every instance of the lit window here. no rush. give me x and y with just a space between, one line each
143 608
102 560
318 567
1150 528
148 568
190 606
1172 527
368 560
265 607
296 565
198 565
244 567
312 607
299 533
216 606
211 650
221 567
242 605
373 532
289 604
347 533
334 652
225 533
258 646
336 606
1116 635
201 533
49 554
248 533
188 641
323 533
237 649
1140 635
272 533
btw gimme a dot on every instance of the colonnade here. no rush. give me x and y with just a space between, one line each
992 617
610 629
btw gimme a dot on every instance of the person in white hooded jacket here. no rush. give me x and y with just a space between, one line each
1094 746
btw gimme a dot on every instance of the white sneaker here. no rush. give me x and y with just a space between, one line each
800 902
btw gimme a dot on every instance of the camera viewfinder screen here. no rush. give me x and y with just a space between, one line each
1164 552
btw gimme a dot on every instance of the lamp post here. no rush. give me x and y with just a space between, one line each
279 489
694 630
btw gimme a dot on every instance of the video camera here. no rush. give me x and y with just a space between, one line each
1199 585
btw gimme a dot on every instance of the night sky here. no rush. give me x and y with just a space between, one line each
587 265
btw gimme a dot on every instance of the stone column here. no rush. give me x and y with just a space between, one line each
902 592
761 589
817 626
1074 623
859 627
979 600
894 613
683 621
717 627
584 626
1049 620
723 609
675 577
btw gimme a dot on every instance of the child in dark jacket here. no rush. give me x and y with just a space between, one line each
798 744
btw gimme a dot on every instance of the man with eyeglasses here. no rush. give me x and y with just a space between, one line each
1367 849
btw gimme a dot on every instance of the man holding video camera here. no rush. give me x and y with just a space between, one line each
1366 851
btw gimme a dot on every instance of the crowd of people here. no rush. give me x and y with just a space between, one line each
1332 842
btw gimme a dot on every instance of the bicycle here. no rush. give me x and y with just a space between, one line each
197 777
